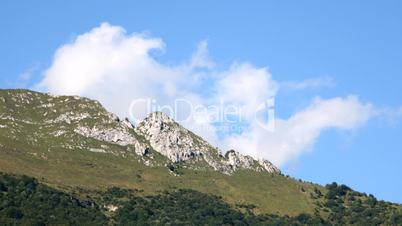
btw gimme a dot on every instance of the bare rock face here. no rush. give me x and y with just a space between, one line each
268 166
119 134
180 145
169 138
103 126
237 160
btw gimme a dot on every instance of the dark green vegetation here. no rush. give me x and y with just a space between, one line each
348 207
24 201
75 184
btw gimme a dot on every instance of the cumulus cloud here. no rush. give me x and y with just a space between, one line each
116 68
109 65
245 86
298 133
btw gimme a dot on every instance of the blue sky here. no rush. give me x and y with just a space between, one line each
356 45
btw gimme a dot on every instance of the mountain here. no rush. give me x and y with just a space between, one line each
74 146
72 119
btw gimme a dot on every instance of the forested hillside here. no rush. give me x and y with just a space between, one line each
24 201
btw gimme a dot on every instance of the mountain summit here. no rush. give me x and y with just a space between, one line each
181 145
72 118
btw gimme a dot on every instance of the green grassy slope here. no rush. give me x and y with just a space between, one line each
67 170
28 146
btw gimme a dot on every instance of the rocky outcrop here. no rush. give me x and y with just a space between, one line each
268 166
180 145
238 161
170 139
117 135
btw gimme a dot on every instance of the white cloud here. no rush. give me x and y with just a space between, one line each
297 134
246 86
116 68
109 65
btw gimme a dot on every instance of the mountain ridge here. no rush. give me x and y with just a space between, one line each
34 143
161 133
74 145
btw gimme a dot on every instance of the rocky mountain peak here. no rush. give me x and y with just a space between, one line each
180 145
158 117
169 138
76 122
